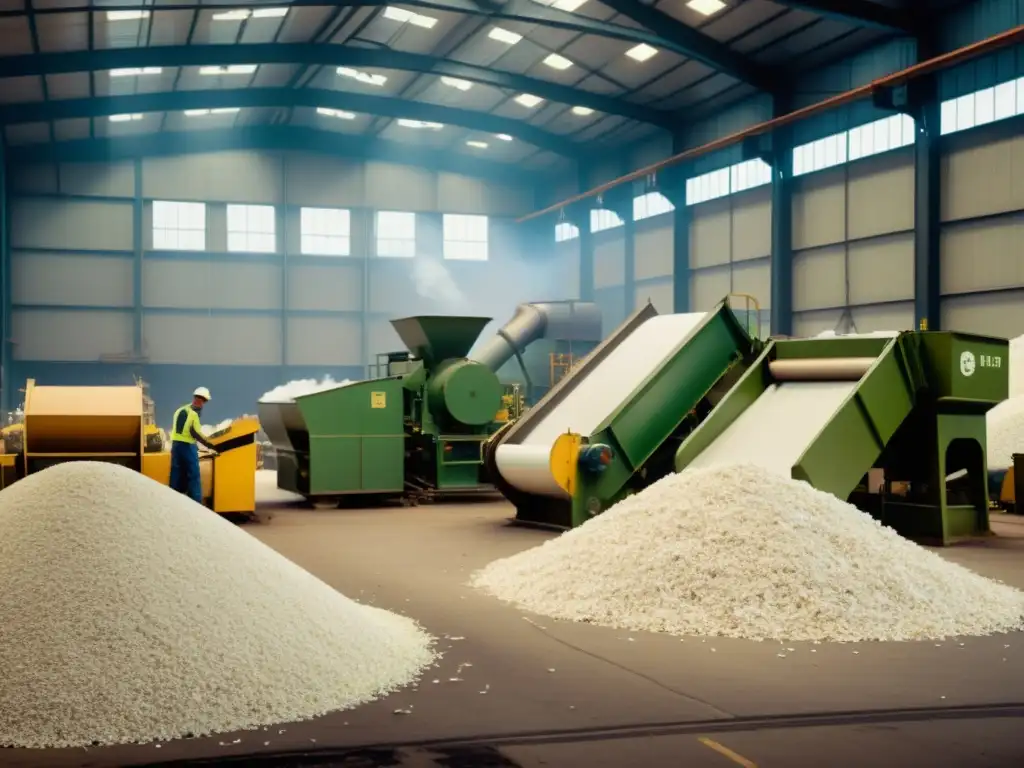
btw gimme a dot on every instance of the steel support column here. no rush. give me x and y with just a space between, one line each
581 217
920 100
139 246
6 402
673 186
285 245
780 157
629 256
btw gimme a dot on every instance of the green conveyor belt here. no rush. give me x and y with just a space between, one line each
644 430
918 413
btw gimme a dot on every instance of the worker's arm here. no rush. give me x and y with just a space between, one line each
201 439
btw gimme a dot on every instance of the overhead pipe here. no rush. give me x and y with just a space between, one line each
1010 37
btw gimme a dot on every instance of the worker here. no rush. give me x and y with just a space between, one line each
186 432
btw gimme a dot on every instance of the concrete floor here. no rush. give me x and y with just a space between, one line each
518 690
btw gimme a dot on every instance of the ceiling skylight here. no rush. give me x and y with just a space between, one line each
706 7
528 100
363 77
641 52
232 69
477 144
241 14
409 17
455 82
405 123
557 62
582 111
503 136
125 118
127 15
562 5
504 36
338 113
218 111
134 71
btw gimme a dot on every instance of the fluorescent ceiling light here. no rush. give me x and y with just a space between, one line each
582 111
405 123
338 113
503 136
241 14
454 82
409 17
233 69
641 52
236 14
528 100
127 15
504 36
125 118
477 144
705 7
557 62
218 111
269 13
133 71
363 77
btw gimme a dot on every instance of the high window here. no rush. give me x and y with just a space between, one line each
465 237
326 232
252 228
179 226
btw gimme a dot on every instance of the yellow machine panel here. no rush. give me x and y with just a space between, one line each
157 466
230 480
77 423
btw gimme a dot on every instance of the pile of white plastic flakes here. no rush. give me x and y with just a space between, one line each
286 393
1005 422
129 613
740 552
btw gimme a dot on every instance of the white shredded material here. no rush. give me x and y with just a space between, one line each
1005 422
129 613
1017 366
1005 432
286 393
208 429
741 552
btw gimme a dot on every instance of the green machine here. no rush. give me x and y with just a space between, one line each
416 430
893 423
632 439
903 437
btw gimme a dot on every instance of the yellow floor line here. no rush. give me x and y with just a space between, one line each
726 752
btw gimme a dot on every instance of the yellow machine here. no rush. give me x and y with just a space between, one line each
109 424
229 478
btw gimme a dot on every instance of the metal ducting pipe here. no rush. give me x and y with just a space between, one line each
562 320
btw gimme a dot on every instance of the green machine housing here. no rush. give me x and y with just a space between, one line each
907 444
416 430
915 421
642 433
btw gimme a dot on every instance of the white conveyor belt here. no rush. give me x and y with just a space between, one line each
774 432
593 399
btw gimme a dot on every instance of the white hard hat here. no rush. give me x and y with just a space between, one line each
202 392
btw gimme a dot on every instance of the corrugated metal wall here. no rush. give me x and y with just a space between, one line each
853 242
983 235
240 323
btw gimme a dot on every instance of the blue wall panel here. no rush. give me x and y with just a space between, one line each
235 389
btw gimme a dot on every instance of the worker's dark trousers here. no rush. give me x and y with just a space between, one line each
185 470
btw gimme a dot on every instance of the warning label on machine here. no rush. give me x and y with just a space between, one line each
378 400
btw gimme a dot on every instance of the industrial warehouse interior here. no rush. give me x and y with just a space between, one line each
583 383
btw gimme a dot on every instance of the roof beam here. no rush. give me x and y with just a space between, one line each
265 138
861 13
695 44
217 98
322 54
663 32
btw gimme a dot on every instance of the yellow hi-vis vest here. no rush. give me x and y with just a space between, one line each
191 420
